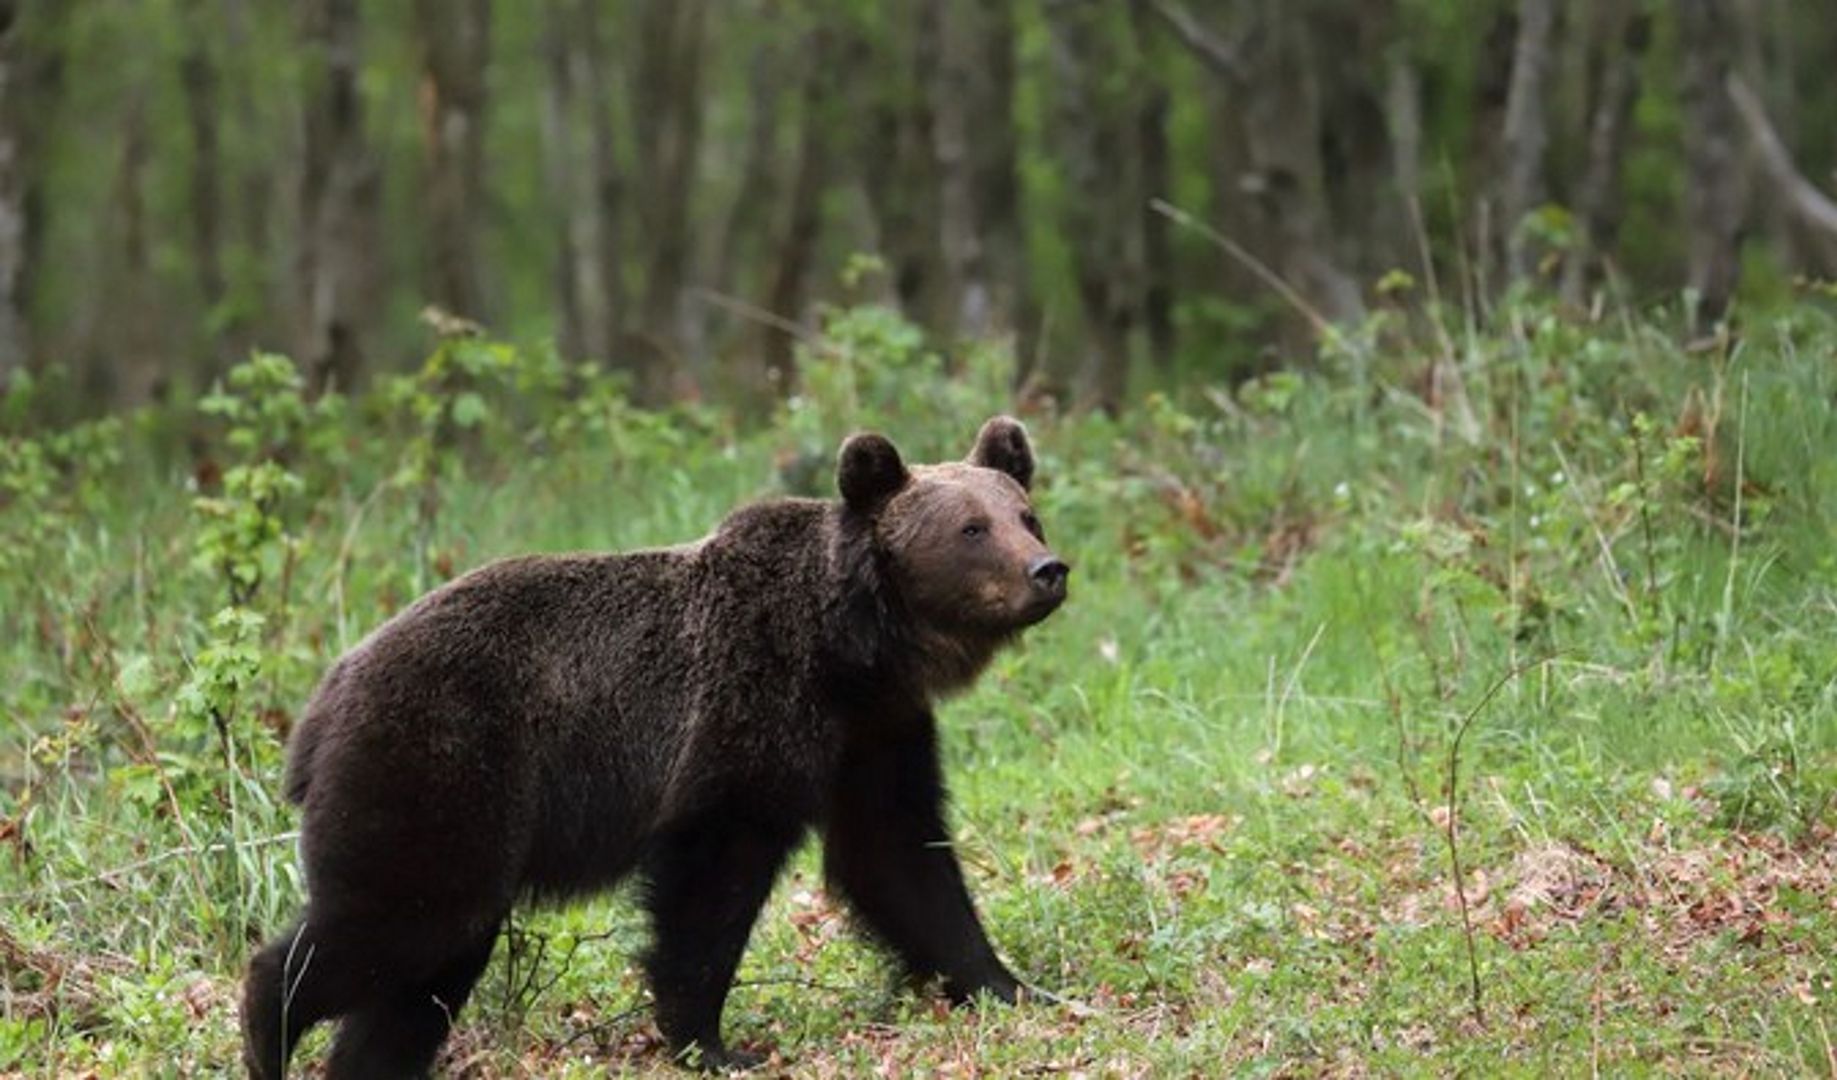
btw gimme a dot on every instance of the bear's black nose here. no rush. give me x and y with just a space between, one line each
1049 572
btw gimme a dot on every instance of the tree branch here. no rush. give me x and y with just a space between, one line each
1218 54
1812 206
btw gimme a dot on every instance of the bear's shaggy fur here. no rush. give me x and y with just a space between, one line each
545 726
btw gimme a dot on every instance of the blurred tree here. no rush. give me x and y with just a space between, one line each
796 251
1526 134
1613 69
1154 102
1811 209
745 231
1715 198
201 79
583 178
666 120
455 51
899 168
629 178
13 269
339 193
1095 131
1270 72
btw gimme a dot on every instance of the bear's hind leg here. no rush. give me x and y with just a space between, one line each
705 884
296 980
399 1034
272 1021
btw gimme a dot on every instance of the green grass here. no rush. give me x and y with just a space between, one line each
1206 803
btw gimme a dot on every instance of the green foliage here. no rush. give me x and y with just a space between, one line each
47 479
266 415
241 534
1211 788
876 367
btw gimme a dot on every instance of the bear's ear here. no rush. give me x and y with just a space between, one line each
869 471
1002 444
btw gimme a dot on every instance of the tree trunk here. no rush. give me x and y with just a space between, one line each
32 52
994 143
797 247
338 199
1403 122
667 121
257 192
606 188
967 54
746 232
121 363
1357 173
199 77
201 80
456 46
899 172
1157 183
954 97
1713 184
1095 135
581 179
1526 133
574 158
1598 200
13 267
561 168
1278 105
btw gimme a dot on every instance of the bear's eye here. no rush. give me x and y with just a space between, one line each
1031 523
975 529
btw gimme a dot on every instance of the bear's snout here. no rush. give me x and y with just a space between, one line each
1047 573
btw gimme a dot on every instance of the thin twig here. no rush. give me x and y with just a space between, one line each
1451 831
1609 567
1645 515
761 315
1321 324
1728 582
602 1025
1219 55
1288 687
1395 700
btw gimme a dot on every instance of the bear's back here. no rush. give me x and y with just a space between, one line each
538 638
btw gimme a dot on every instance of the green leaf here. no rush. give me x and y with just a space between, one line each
469 410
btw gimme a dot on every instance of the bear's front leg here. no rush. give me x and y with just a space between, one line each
887 851
706 882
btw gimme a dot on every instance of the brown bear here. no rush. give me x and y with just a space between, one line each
545 726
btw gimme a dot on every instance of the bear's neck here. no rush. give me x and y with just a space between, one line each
945 663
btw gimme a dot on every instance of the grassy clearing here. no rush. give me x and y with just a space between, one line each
1209 802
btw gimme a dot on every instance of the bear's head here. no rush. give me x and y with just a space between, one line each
959 541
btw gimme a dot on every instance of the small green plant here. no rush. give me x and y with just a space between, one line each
49 479
271 433
266 416
462 400
242 535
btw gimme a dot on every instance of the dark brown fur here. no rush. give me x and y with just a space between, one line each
547 725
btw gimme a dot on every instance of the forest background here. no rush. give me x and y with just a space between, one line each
663 185
1437 401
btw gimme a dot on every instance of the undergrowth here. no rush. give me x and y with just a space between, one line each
1552 604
